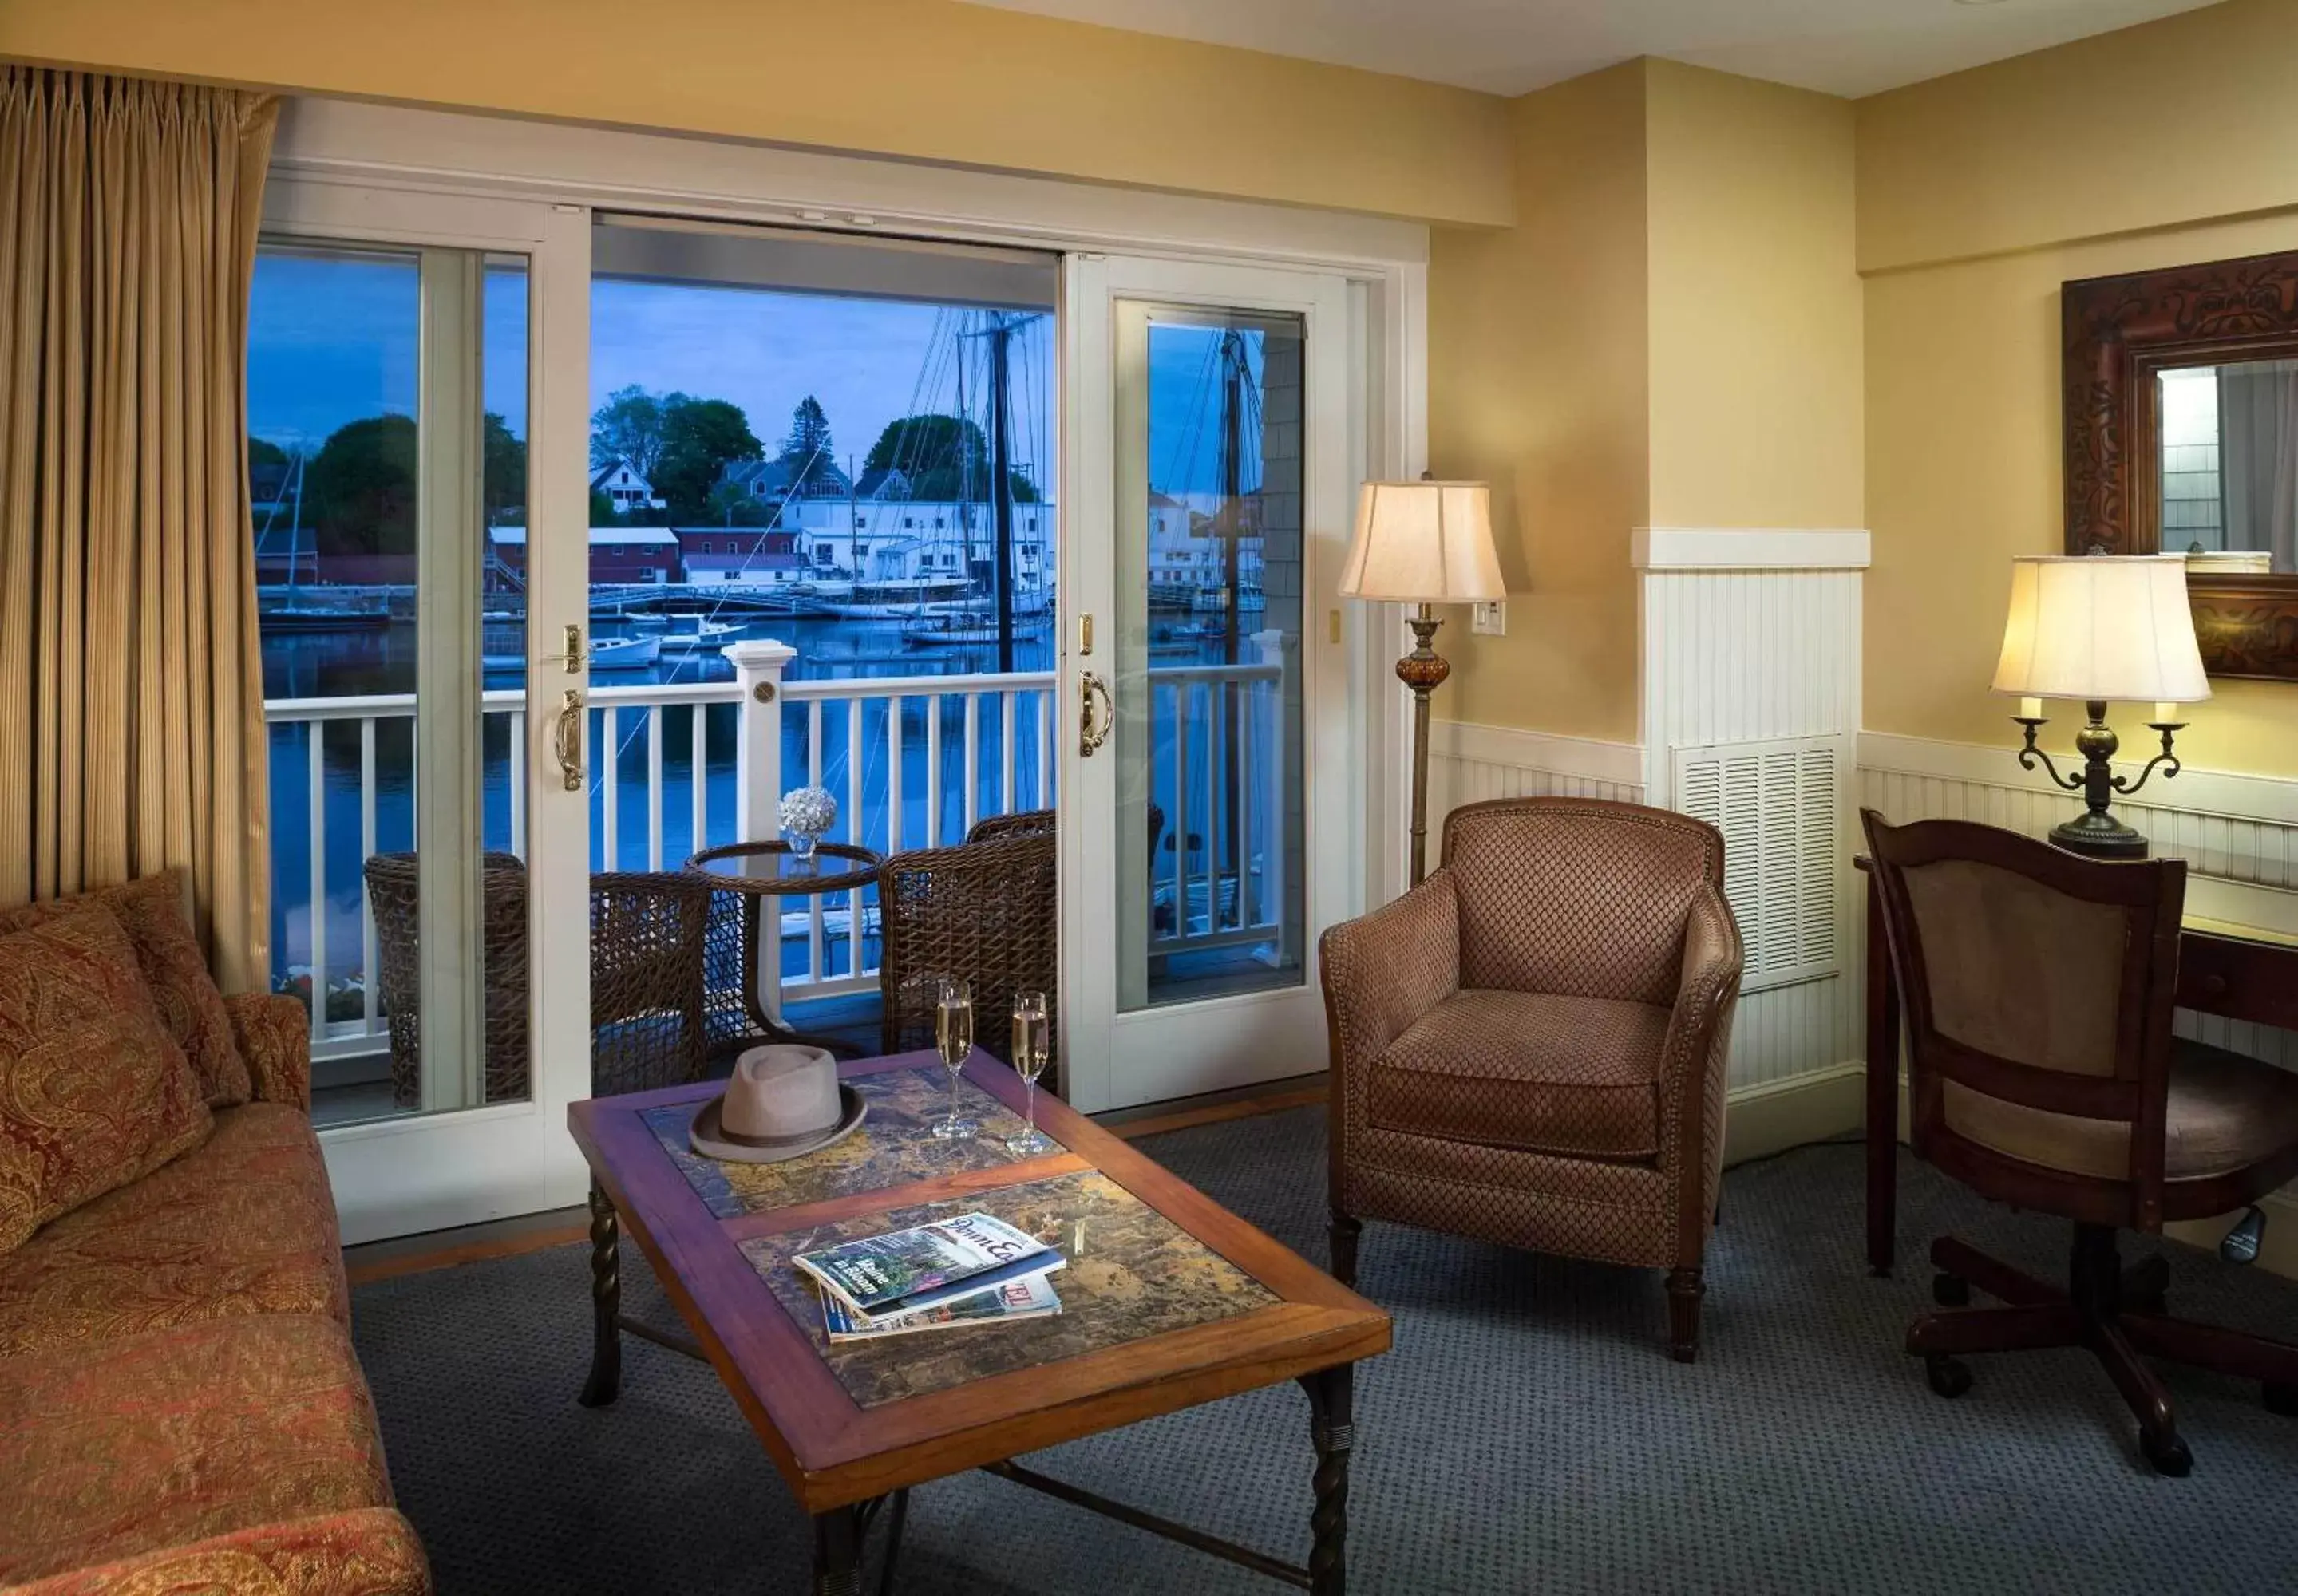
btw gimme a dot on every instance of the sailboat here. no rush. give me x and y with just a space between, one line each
295 614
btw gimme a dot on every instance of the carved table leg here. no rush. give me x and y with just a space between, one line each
1333 1428
605 1381
838 1552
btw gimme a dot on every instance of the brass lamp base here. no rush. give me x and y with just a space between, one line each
2096 832
1424 671
2100 835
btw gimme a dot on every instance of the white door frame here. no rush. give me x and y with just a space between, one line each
428 1171
570 171
1385 261
1116 1059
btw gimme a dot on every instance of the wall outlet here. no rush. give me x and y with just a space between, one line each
1490 620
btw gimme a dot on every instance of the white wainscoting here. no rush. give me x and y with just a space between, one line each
1753 635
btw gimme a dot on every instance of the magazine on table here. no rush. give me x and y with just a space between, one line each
903 1271
1029 1298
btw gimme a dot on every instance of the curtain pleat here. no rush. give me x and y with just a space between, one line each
131 691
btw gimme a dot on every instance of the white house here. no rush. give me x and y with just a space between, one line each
905 539
621 484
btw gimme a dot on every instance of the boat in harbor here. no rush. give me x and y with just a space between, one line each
702 634
624 654
964 628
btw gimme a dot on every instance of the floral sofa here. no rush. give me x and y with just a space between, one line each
180 1408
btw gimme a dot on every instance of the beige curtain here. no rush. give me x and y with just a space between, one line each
131 695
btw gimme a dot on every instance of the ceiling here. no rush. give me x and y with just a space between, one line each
1849 47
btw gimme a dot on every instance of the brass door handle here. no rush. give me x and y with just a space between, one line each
567 738
1089 736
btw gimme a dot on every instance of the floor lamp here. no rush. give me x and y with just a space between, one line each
1424 544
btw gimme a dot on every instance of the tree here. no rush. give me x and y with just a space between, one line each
360 489
806 450
699 438
502 471
944 457
602 510
629 426
262 451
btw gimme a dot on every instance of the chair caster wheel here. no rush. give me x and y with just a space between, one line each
2282 1400
1949 1377
1950 1291
2170 1455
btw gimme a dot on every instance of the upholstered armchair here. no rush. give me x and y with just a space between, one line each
1529 1046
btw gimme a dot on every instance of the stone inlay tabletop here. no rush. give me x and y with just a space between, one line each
894 1147
1132 1273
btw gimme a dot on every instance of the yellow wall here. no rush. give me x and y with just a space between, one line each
920 79
1669 336
1754 305
1537 383
1963 357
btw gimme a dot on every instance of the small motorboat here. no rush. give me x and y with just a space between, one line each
624 654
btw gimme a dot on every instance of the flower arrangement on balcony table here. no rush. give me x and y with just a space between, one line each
806 812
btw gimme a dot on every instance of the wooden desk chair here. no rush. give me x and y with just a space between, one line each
2039 988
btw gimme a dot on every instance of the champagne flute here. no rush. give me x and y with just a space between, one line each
954 1037
1032 1043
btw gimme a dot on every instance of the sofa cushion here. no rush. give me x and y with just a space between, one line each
241 1224
1574 1076
368 1551
150 911
94 1093
113 1451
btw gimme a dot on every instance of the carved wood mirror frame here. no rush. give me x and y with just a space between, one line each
2118 333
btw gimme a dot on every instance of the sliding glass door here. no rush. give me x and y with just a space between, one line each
1208 480
400 457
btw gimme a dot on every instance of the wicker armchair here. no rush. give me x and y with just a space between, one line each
984 910
1529 1046
648 1015
1040 822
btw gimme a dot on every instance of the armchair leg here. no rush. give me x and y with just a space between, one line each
1343 1232
1685 1288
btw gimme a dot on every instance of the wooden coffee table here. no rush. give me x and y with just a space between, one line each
1168 1301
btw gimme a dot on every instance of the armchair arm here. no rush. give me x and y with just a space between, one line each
1385 970
274 1034
1694 1068
367 1552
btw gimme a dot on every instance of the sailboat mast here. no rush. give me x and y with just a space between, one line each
1000 472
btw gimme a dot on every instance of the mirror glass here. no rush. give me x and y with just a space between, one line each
2229 464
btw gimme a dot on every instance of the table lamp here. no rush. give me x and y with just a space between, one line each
1423 543
2098 629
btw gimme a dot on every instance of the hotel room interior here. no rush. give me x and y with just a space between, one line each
1523 777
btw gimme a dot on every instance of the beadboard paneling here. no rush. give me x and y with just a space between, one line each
1740 655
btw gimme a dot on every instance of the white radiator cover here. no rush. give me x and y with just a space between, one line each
1778 803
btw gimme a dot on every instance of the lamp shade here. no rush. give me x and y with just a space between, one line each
1425 543
2101 627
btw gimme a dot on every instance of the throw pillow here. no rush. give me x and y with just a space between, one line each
151 912
94 1093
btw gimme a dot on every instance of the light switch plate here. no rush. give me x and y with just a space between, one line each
1490 620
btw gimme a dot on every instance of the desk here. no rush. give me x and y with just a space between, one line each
2240 972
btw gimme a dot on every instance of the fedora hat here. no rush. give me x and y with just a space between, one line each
781 1102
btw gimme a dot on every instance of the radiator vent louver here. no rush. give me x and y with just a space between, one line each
1778 804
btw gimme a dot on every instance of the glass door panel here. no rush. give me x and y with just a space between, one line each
1208 732
387 414
1206 479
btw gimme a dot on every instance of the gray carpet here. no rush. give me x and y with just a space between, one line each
1527 1432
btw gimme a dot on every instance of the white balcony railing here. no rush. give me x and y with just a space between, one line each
915 762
